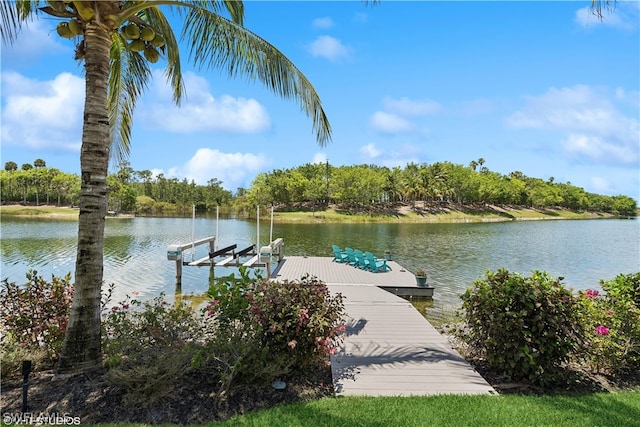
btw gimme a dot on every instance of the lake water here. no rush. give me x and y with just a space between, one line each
582 251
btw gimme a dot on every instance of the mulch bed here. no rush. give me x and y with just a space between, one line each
91 398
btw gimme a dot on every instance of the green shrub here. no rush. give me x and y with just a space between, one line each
35 314
285 327
12 354
298 318
149 346
612 325
527 327
145 204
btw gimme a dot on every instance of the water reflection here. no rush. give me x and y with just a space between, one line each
454 254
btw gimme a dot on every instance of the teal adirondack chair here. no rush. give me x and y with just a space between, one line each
361 261
351 256
376 264
339 255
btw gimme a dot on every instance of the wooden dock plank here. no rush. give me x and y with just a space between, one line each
389 349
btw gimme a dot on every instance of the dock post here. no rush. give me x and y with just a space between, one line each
178 272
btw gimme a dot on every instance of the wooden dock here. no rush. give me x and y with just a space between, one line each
389 348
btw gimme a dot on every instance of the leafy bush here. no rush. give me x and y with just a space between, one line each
527 327
36 313
285 326
149 346
298 318
612 324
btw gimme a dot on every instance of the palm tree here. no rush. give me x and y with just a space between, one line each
116 40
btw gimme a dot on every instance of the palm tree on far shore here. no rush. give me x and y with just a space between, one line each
117 40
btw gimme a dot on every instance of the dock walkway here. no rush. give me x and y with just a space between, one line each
389 348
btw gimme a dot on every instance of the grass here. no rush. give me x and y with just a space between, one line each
39 211
619 409
612 409
43 212
453 216
334 216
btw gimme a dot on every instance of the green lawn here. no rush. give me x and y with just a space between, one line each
599 409
617 409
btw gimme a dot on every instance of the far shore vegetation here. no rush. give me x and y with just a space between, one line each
399 214
320 192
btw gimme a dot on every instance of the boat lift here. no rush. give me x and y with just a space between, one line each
228 256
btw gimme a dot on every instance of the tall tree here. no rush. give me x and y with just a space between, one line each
116 40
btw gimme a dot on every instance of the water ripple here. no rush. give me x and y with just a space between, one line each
453 254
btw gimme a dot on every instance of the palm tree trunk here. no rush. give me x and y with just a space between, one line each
82 346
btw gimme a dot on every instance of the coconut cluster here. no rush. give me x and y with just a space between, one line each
143 38
69 29
140 38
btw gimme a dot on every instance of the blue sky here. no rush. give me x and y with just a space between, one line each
544 88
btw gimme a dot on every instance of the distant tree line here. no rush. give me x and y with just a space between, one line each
313 185
37 184
367 185
128 190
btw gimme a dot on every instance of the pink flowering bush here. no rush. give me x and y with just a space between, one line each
612 322
298 318
34 315
284 327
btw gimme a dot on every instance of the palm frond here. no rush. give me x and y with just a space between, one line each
157 20
128 79
13 14
216 42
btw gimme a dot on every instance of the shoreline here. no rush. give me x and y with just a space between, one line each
422 213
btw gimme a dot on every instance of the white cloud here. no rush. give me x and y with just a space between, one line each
596 148
319 158
390 123
391 155
411 108
324 23
370 151
34 41
600 185
200 111
593 127
329 47
233 169
622 15
42 115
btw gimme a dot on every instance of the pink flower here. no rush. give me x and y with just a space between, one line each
608 313
292 344
211 307
591 294
602 330
135 293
